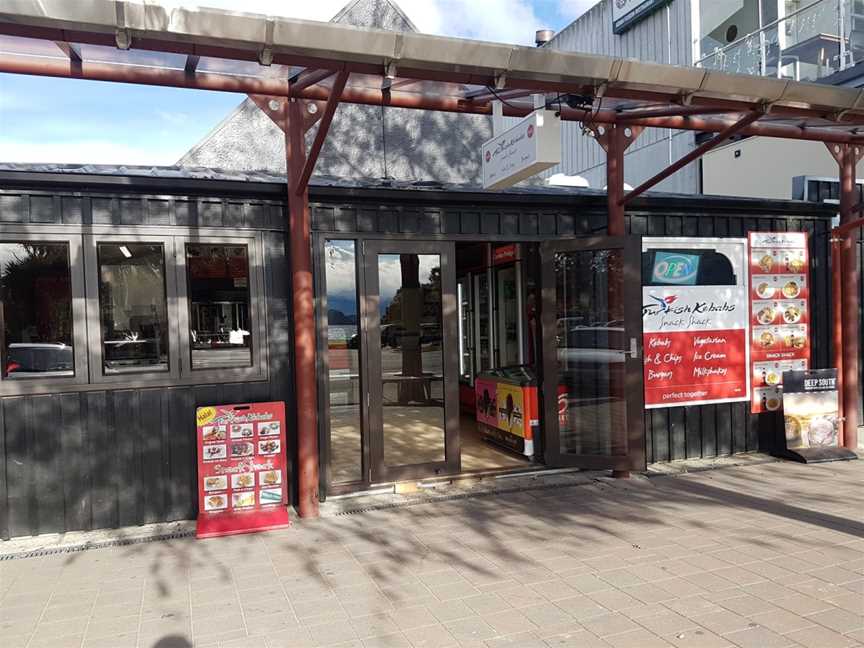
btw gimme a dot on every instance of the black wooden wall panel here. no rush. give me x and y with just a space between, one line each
117 457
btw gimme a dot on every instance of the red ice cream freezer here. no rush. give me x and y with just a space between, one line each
507 409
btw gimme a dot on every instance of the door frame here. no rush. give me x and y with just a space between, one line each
633 390
371 351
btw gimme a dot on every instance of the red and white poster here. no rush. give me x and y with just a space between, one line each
779 313
241 468
695 315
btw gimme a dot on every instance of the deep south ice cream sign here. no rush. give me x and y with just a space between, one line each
694 333
532 145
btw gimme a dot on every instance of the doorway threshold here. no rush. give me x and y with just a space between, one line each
464 485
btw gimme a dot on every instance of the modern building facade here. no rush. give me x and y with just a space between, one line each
820 41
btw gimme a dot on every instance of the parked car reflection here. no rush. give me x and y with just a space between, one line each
31 360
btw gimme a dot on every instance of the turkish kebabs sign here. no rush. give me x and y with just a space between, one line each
779 312
241 468
695 321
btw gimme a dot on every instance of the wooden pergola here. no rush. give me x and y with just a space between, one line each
299 71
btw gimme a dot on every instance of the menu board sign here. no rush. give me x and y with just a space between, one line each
779 313
811 409
694 321
241 464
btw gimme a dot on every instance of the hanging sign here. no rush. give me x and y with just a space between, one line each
532 145
779 313
241 468
695 320
811 409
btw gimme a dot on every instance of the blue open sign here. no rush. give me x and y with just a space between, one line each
675 268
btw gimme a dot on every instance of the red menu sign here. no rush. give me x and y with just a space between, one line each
779 313
241 463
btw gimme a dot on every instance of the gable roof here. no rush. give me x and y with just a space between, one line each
363 141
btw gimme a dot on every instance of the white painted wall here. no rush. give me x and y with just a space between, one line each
765 167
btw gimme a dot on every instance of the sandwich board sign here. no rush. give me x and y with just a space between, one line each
531 146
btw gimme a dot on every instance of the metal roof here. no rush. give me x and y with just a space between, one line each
250 53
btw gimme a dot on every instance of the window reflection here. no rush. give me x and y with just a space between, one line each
343 353
412 358
132 306
219 328
36 310
590 339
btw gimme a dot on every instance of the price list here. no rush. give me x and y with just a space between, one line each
779 313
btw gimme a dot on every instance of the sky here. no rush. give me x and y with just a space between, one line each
75 121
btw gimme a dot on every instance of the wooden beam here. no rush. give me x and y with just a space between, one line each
321 134
696 153
309 77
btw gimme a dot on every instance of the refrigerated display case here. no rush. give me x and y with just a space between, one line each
507 409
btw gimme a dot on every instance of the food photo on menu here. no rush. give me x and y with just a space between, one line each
214 452
242 449
270 496
213 433
243 499
216 482
215 502
243 480
241 431
269 478
269 447
273 428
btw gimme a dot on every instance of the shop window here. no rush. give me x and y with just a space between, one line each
133 307
36 319
220 331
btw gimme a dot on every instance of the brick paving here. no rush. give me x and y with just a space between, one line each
756 557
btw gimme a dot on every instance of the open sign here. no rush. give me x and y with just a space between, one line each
676 268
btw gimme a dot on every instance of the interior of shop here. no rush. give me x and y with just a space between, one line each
497 341
493 293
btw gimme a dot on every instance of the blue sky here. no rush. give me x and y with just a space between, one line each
70 121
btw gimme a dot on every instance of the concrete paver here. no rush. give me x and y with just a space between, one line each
750 556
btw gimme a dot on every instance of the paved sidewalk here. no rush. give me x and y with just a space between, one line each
757 557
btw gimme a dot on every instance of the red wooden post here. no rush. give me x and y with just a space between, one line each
849 297
300 250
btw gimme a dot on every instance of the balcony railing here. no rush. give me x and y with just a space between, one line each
815 41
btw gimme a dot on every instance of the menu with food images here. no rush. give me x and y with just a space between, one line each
779 313
241 464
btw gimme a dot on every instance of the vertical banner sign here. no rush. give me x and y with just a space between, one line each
241 468
779 312
694 321
811 409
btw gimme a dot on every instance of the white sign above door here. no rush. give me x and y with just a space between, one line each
531 146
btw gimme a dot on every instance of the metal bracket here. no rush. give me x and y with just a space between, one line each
265 56
500 81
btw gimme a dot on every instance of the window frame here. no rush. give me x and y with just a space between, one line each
87 340
79 327
94 316
257 308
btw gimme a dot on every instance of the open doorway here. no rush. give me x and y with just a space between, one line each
496 294
411 330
